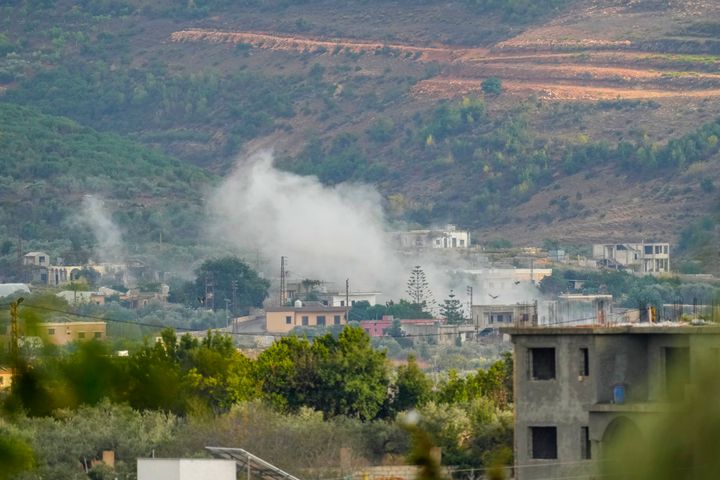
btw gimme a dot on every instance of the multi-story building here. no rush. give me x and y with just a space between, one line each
448 237
307 314
576 387
62 333
496 316
638 257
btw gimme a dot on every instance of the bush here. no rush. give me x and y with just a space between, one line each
492 86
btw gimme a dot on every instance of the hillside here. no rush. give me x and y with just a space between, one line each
605 129
51 163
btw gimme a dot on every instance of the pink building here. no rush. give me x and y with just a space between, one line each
376 328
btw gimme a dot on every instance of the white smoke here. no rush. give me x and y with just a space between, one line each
332 233
110 246
328 233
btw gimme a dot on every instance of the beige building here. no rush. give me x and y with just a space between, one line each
62 333
310 314
496 316
638 257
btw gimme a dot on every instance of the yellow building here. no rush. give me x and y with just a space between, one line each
62 333
284 319
5 378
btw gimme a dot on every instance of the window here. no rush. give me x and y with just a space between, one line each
585 447
305 320
544 442
288 320
462 243
542 362
98 334
658 249
648 249
51 331
336 319
321 320
665 249
81 334
584 362
342 303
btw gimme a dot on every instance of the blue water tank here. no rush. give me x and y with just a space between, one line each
619 394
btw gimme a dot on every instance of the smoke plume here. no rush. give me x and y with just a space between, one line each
110 246
328 233
333 233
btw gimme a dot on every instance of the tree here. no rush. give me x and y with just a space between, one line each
492 86
337 376
412 387
225 275
418 289
451 310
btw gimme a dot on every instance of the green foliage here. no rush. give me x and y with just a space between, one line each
492 86
139 100
451 310
454 118
16 455
518 10
226 275
338 376
632 291
50 162
412 387
403 309
418 289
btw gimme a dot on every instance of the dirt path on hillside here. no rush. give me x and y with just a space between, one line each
601 72
440 87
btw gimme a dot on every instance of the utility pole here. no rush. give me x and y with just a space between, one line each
283 287
532 271
347 299
209 292
14 335
470 294
234 285
227 312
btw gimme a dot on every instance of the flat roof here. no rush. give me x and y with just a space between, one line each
307 308
635 328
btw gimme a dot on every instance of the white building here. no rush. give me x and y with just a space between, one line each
185 469
638 257
449 237
339 299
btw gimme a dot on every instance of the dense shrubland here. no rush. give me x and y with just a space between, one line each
180 394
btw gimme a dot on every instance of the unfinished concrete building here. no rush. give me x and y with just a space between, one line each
576 387
636 257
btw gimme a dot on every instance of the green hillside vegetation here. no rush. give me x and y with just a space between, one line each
362 115
50 163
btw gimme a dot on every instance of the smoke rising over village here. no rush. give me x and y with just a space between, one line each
329 233
110 246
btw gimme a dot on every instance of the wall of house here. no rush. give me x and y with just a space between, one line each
621 359
276 321
60 333
560 402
